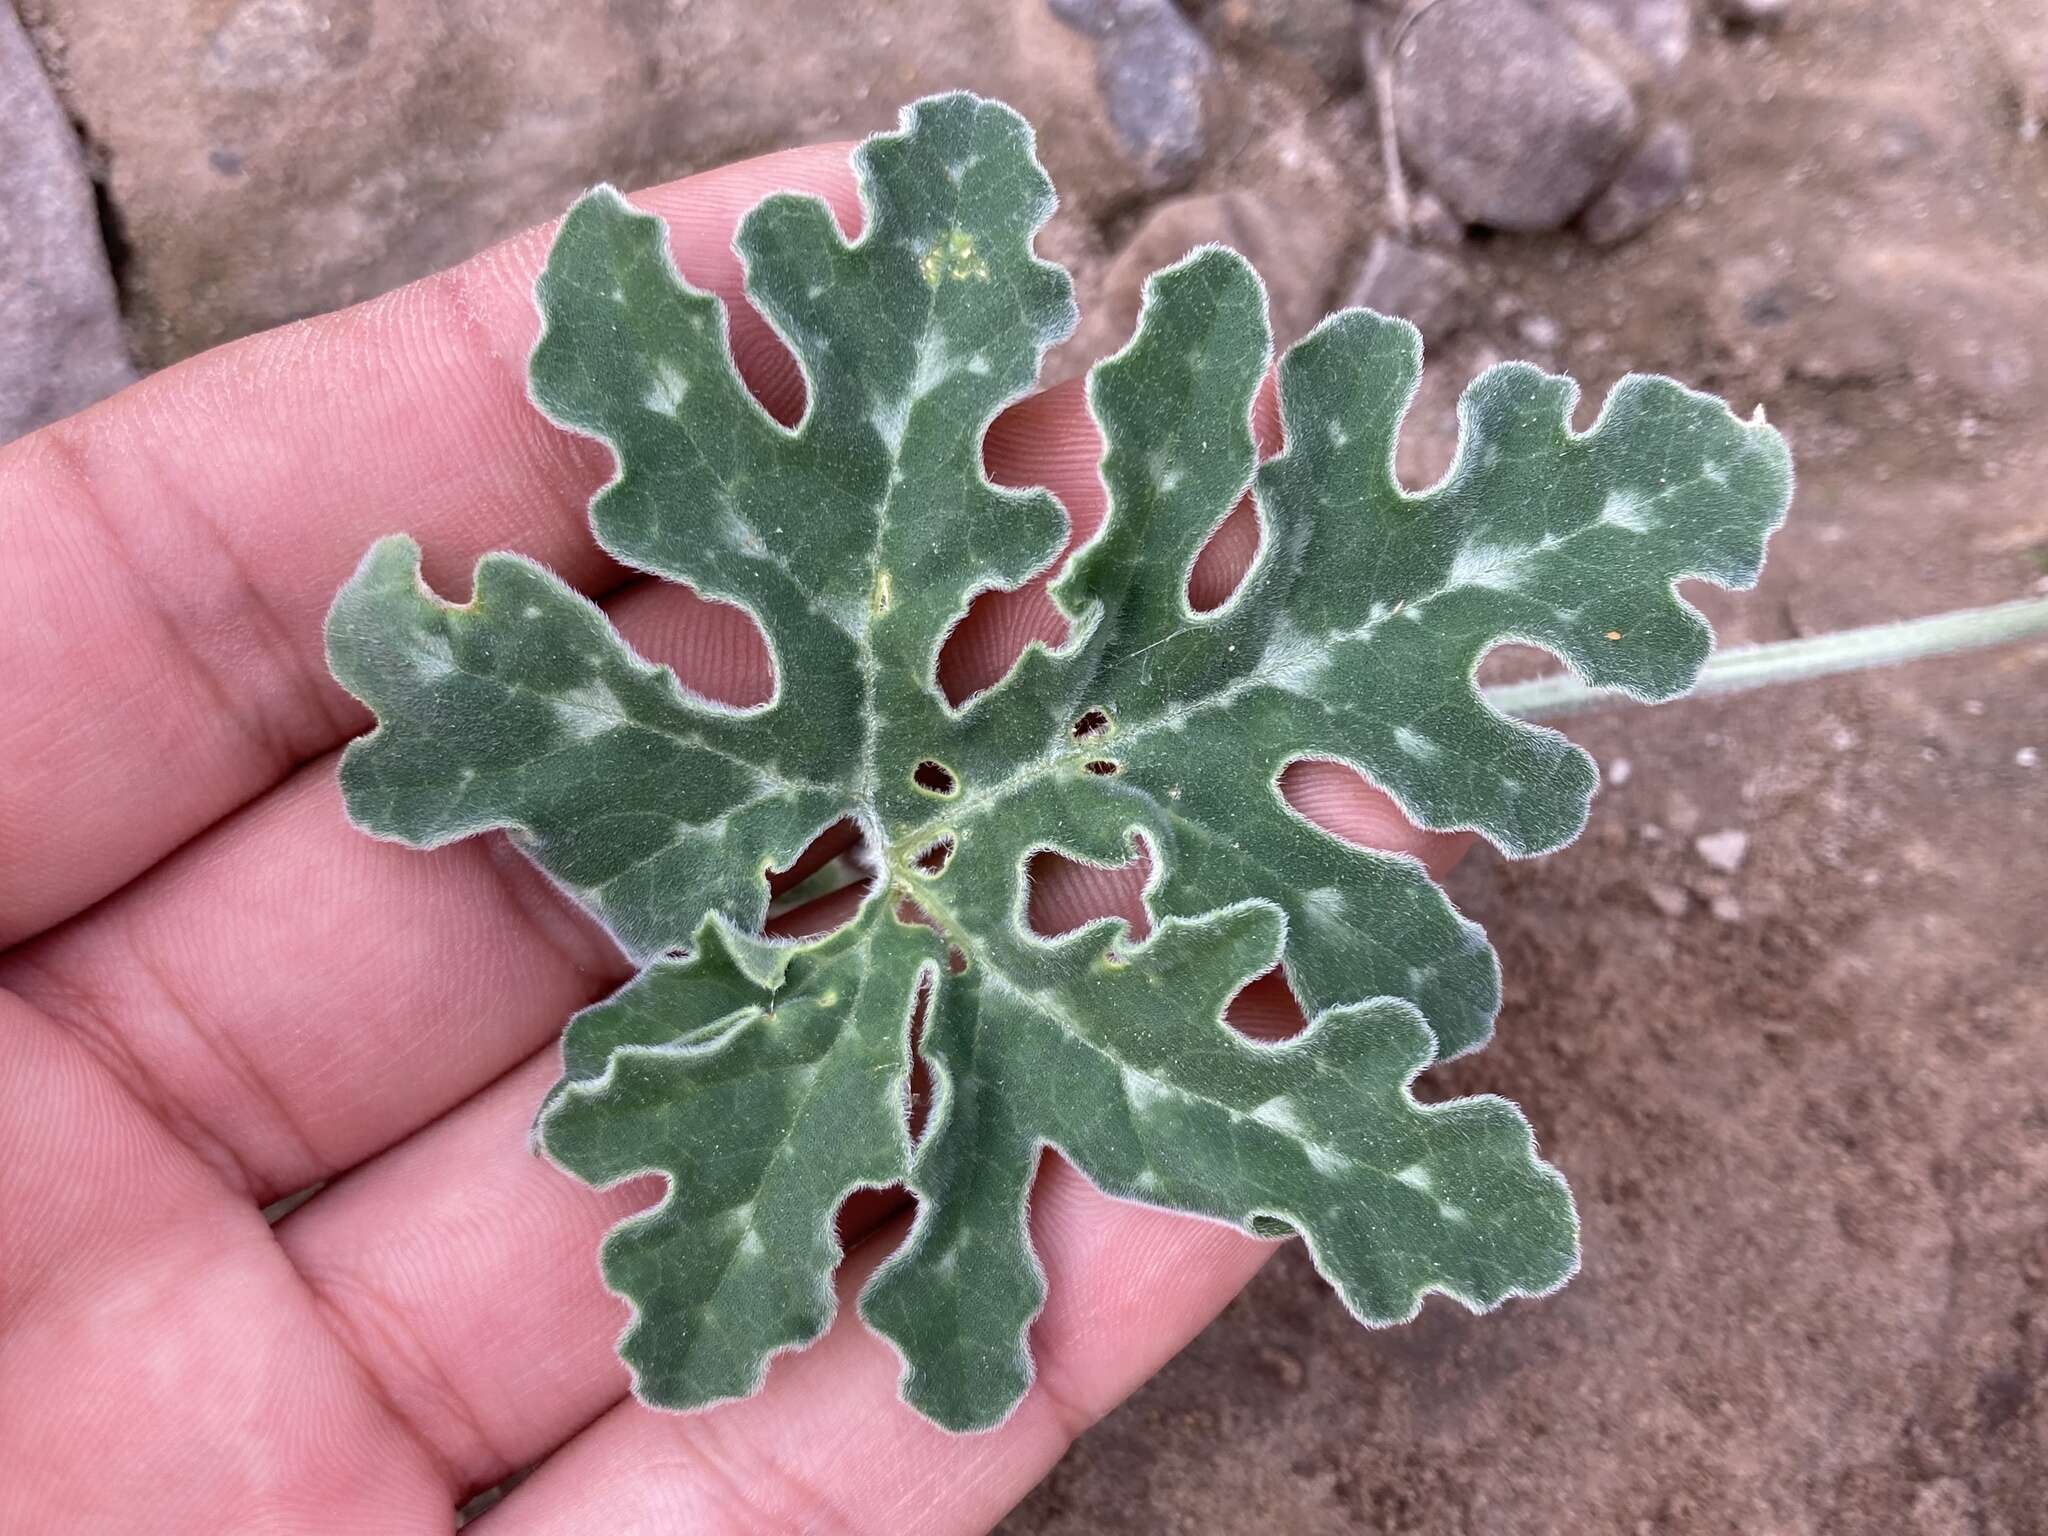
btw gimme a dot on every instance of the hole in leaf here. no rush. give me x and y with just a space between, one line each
956 959
822 886
821 915
935 778
1102 767
866 1211
1219 567
909 912
1063 893
932 861
714 649
1271 1226
1265 1008
840 839
1094 723
985 644
1338 799
917 1107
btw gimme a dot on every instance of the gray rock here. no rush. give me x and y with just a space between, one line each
1507 116
1097 18
270 159
1651 180
60 323
1321 34
1426 288
1151 66
1651 36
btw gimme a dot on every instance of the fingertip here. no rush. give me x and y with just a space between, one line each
1050 439
1127 1285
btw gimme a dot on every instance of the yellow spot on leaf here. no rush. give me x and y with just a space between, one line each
884 591
952 256
1614 634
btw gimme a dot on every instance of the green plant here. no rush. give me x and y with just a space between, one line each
768 1080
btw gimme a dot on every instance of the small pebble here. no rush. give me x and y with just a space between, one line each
1724 851
1284 1364
1540 331
1726 908
1150 64
2027 757
1667 899
1620 771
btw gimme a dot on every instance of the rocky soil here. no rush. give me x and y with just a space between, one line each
1782 1015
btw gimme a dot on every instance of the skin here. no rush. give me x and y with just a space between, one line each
214 991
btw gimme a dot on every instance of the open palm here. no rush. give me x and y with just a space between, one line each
214 992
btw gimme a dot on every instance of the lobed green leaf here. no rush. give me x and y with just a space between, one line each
765 1081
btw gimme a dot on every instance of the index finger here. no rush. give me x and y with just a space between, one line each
167 557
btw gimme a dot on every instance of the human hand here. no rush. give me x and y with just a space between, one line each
218 992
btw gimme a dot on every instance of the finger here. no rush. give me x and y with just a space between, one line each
165 1368
171 552
828 1444
292 996
464 1274
463 1271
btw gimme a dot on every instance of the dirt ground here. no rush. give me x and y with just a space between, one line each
1803 1103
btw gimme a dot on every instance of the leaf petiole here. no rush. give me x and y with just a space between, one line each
1743 667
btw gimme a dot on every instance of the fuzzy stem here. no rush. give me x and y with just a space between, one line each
1785 661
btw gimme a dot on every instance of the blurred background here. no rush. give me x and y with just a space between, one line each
1782 1014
